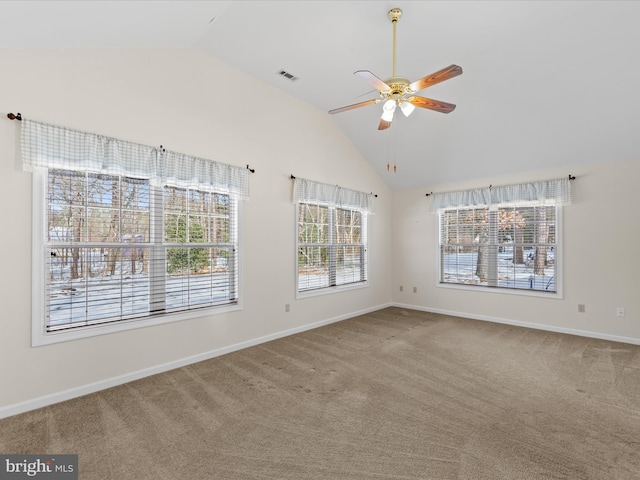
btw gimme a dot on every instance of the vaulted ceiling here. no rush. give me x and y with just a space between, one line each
545 84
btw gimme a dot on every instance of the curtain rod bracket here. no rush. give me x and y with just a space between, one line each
429 194
293 177
11 116
572 177
252 170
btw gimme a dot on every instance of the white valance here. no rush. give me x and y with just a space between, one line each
546 192
51 146
309 191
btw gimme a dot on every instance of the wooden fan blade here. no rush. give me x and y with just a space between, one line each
440 76
355 105
431 104
374 81
384 125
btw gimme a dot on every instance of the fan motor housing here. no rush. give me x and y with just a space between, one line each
398 85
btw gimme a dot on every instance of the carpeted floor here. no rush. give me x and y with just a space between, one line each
395 394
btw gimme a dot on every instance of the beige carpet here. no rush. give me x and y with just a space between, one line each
396 394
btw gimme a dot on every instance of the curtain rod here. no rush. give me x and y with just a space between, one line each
571 177
18 116
371 193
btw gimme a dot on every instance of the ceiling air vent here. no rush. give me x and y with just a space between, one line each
288 75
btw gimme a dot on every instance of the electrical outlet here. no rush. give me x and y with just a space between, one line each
620 312
287 307
581 308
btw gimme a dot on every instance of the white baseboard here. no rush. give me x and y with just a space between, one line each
57 397
517 323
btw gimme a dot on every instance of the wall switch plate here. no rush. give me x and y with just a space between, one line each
581 308
620 312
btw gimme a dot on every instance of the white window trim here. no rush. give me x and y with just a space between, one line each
557 295
39 335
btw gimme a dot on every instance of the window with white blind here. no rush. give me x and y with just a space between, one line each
114 251
331 236
503 237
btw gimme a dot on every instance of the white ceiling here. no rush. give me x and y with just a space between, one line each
545 84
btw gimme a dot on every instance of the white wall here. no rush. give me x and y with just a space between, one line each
601 266
189 103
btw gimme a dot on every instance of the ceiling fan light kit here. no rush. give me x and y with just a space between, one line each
399 91
388 110
407 108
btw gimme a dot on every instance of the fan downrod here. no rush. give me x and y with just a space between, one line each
399 85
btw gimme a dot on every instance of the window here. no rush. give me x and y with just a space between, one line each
331 247
507 247
112 248
106 263
331 236
509 237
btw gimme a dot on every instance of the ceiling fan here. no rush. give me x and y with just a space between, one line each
399 91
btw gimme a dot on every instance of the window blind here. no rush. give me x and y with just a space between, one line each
502 237
129 231
332 235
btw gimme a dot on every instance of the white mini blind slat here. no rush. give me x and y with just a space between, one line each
333 195
50 146
546 192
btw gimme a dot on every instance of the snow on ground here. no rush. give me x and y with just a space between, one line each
103 297
80 301
461 268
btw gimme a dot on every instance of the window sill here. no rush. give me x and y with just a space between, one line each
40 338
331 290
502 290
